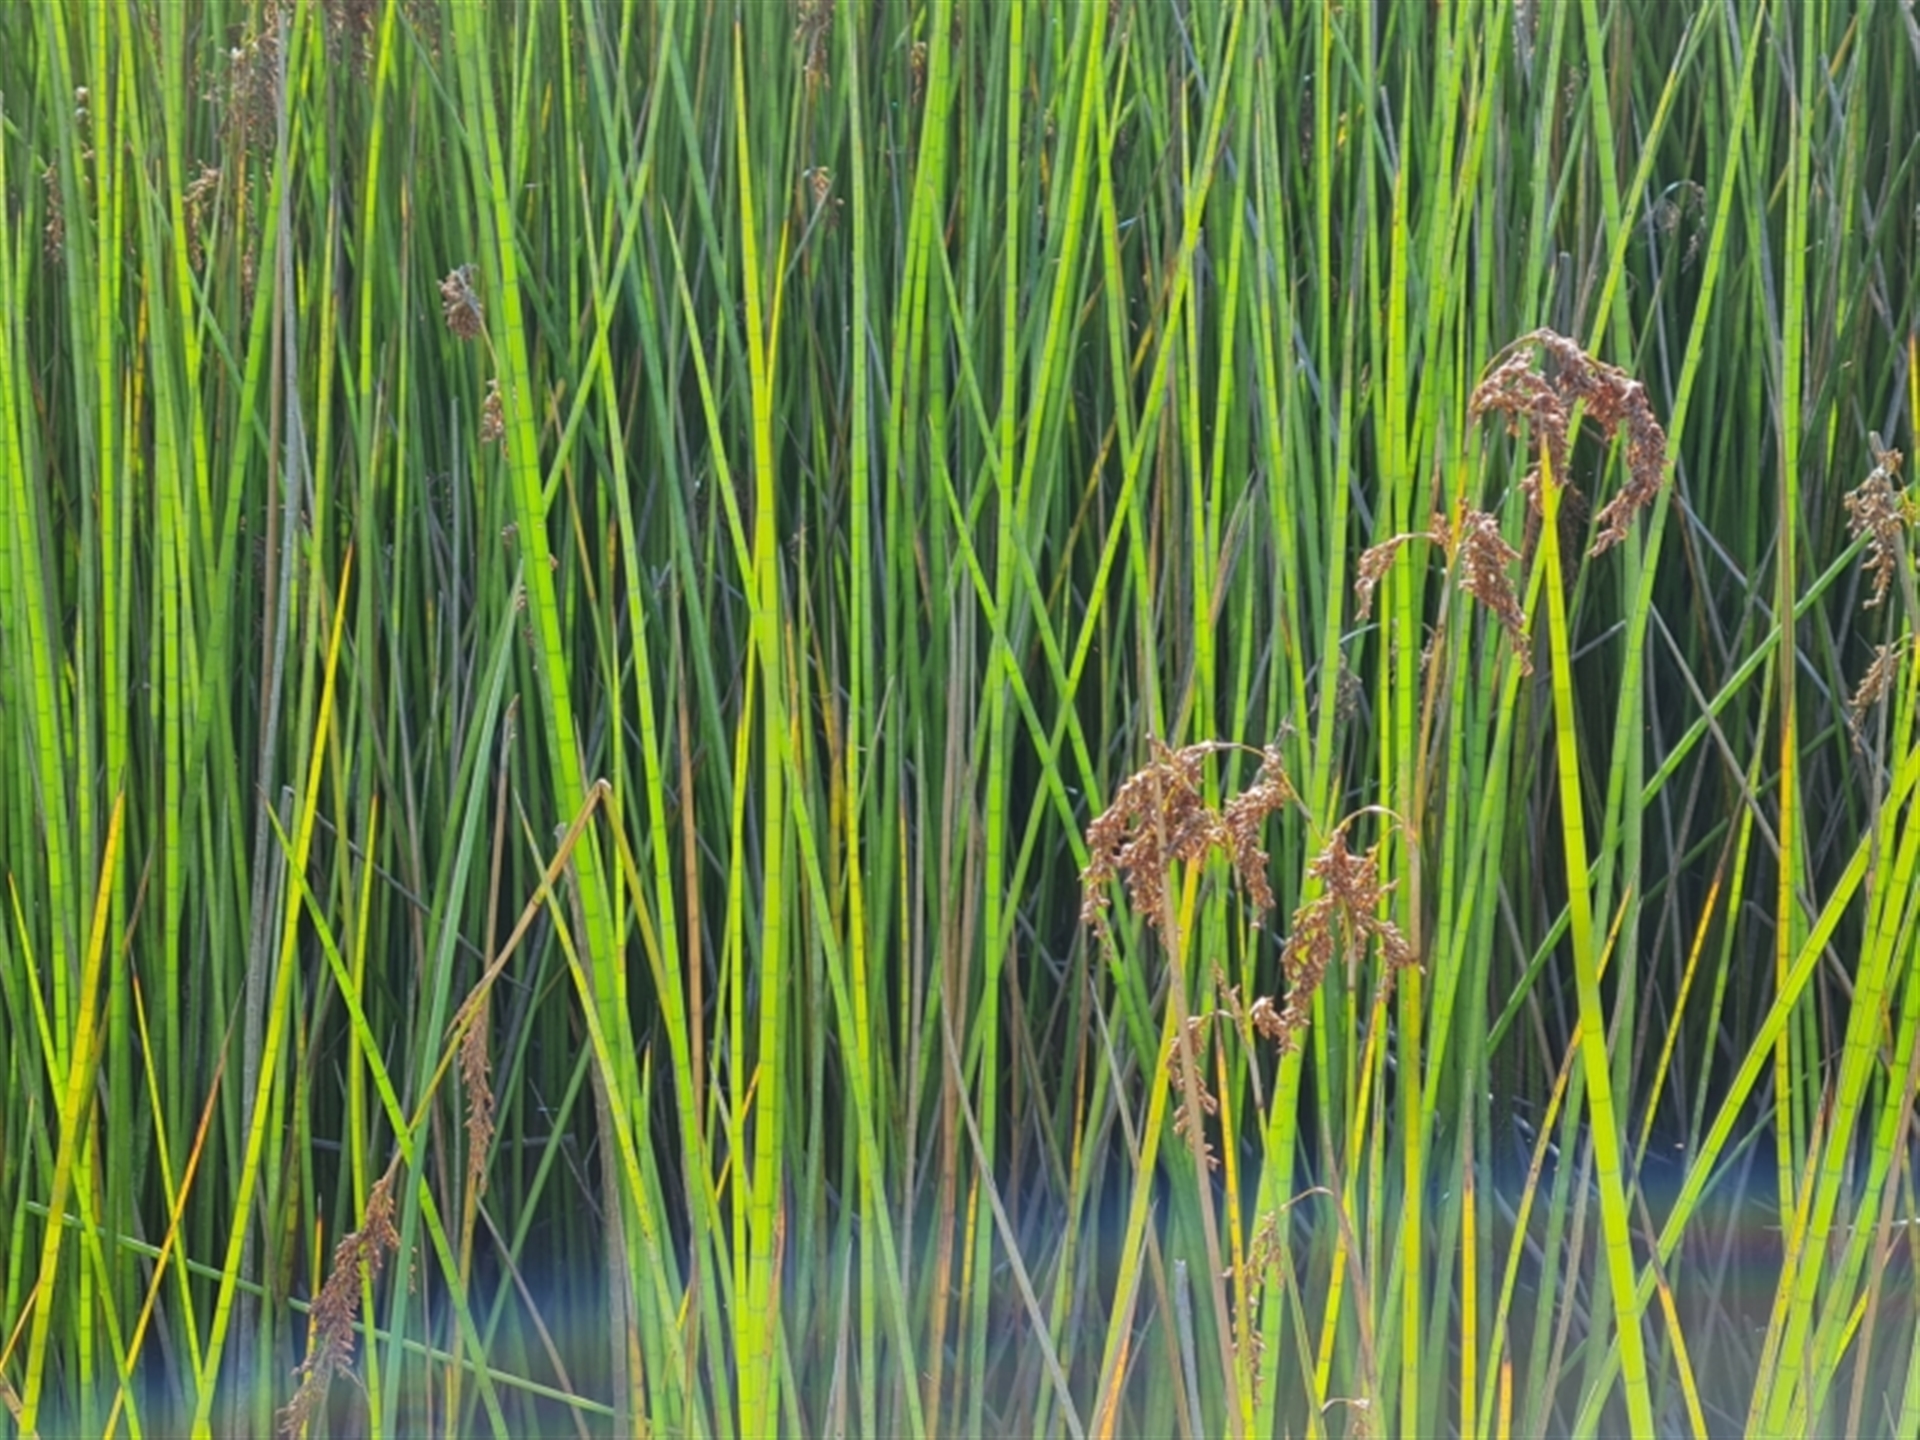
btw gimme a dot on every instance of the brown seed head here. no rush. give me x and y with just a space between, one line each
331 1322
1160 815
460 304
1613 399
1879 508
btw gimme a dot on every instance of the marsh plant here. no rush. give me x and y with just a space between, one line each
905 717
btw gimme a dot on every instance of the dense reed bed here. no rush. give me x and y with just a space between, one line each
901 717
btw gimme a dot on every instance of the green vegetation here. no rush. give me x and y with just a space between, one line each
902 717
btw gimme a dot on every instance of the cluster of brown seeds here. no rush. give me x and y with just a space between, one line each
199 197
1614 400
493 418
476 1075
917 72
460 304
53 238
1875 685
1880 508
1345 917
1482 557
1375 561
331 1350
253 80
352 27
466 318
812 24
1160 815
1198 1027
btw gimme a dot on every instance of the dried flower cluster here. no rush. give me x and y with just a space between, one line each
331 1325
1349 695
1376 560
1160 815
199 199
1245 816
1482 557
467 319
461 305
476 1076
1878 507
1198 1027
353 30
1875 685
352 27
424 17
1671 209
1345 916
53 239
813 23
820 184
493 418
1267 1020
253 84
917 73
1613 399
1262 1256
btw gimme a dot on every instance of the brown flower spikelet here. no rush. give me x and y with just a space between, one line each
53 238
1160 815
917 73
352 29
476 1076
1875 685
1345 913
1880 508
253 80
331 1323
200 196
1197 1028
493 418
1376 560
1613 399
812 24
1483 557
461 306
1263 1255
1245 815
